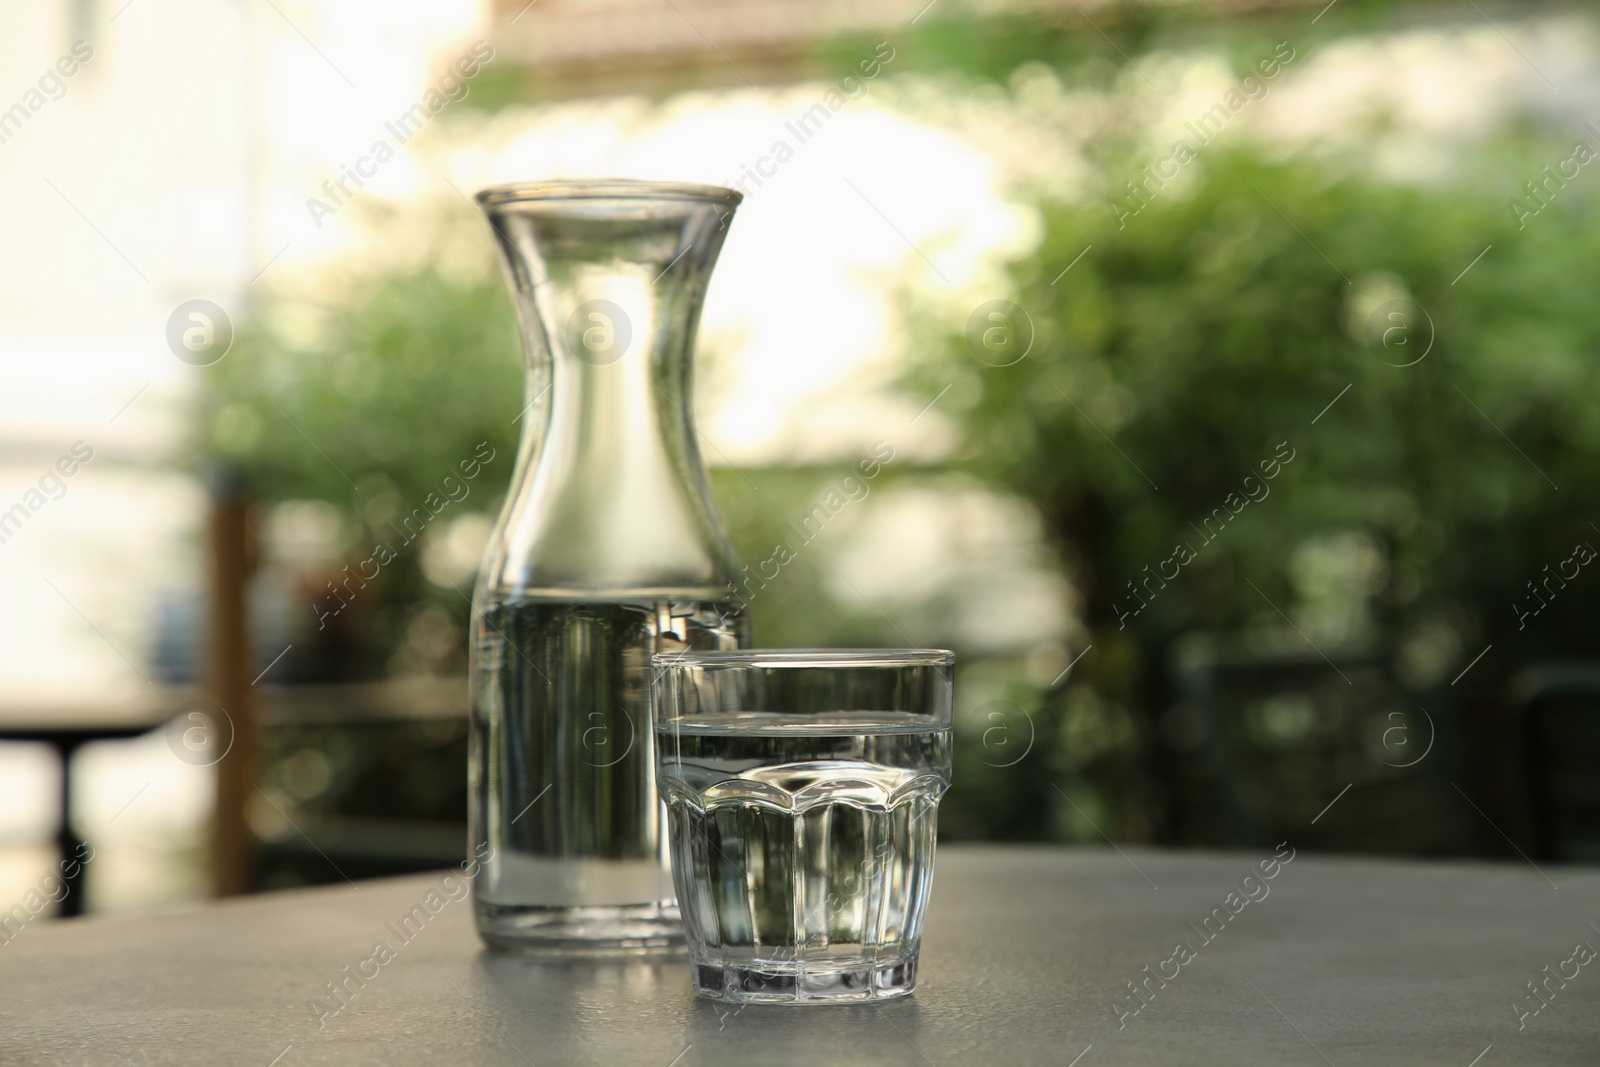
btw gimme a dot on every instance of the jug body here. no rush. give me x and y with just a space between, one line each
609 548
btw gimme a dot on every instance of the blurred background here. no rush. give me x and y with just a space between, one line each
1237 362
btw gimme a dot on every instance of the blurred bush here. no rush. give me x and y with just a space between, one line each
366 394
1277 363
1272 405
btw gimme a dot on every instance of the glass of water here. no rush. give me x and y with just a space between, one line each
802 788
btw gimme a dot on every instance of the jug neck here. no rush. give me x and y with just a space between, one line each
611 496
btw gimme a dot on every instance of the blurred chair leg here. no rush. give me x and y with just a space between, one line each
232 551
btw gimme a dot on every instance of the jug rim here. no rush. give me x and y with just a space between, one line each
605 189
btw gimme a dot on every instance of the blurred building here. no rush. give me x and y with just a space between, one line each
154 154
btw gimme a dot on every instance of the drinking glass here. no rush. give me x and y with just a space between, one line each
802 789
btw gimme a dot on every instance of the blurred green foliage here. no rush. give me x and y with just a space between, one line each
1093 48
397 375
366 395
1212 330
1262 304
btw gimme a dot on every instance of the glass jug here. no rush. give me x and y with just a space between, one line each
609 548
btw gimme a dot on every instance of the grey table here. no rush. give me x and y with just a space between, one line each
1343 961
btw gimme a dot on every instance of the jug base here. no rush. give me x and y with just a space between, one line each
607 930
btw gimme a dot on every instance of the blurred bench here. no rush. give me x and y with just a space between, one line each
1264 740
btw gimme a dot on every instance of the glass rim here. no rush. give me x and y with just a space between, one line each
802 658
605 189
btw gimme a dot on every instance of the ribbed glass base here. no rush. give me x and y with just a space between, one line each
805 983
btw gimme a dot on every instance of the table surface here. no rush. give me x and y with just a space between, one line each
1342 961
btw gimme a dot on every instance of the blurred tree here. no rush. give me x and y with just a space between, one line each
368 394
1263 394
1417 417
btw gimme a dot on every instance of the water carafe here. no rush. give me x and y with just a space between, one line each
609 548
